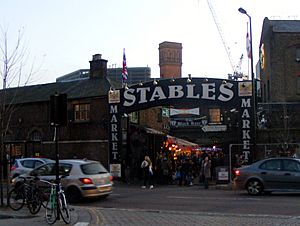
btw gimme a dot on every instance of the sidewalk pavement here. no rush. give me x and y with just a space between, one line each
8 217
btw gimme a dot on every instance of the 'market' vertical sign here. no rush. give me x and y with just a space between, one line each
246 119
114 132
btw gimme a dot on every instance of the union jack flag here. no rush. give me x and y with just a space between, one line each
124 70
248 45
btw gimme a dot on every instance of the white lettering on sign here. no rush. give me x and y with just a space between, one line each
208 92
246 126
158 94
114 131
143 92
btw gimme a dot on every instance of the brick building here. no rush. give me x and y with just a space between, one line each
280 60
86 133
170 59
279 72
85 136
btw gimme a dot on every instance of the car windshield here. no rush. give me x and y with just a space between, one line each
93 168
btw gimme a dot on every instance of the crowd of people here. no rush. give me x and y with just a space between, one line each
184 170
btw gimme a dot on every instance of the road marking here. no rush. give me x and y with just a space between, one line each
81 224
97 214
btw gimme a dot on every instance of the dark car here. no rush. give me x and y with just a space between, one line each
269 175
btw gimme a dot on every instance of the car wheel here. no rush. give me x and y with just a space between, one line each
254 187
73 195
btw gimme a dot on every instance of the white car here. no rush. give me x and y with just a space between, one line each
80 178
25 165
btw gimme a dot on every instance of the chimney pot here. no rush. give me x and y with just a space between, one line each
97 57
98 67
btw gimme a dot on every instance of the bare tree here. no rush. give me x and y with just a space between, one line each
12 61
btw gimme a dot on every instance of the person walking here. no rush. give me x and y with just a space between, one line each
206 171
147 172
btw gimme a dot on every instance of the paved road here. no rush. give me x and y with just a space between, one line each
197 199
172 205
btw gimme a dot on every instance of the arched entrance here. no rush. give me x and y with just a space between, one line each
197 92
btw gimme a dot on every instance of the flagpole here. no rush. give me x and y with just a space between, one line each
123 68
249 72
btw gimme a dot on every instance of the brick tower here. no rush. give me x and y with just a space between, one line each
170 59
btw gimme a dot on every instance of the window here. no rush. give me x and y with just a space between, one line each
271 165
81 112
28 163
93 169
38 163
35 136
134 117
44 170
291 165
215 115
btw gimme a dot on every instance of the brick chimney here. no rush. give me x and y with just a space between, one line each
98 67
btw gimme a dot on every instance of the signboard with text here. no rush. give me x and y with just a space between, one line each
199 92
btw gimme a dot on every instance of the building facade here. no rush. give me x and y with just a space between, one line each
85 136
279 75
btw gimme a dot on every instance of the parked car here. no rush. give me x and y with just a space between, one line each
269 175
25 165
80 178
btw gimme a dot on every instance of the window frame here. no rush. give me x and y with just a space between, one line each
215 113
82 112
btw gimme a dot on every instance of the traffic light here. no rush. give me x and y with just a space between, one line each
58 110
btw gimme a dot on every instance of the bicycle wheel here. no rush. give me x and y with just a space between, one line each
51 211
64 208
16 198
44 198
34 205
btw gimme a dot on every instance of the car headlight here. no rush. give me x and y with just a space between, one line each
14 180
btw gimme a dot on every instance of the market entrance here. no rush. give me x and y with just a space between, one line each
202 93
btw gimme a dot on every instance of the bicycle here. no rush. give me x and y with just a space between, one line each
52 214
25 192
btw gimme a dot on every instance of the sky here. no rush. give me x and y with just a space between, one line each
61 36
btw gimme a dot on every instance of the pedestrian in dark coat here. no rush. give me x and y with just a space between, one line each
206 171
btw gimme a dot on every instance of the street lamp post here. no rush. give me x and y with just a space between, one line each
243 11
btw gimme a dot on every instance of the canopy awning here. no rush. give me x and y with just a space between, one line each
181 142
153 131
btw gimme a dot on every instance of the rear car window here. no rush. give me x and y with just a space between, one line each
93 168
291 165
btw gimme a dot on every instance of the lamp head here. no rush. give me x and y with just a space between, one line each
241 10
